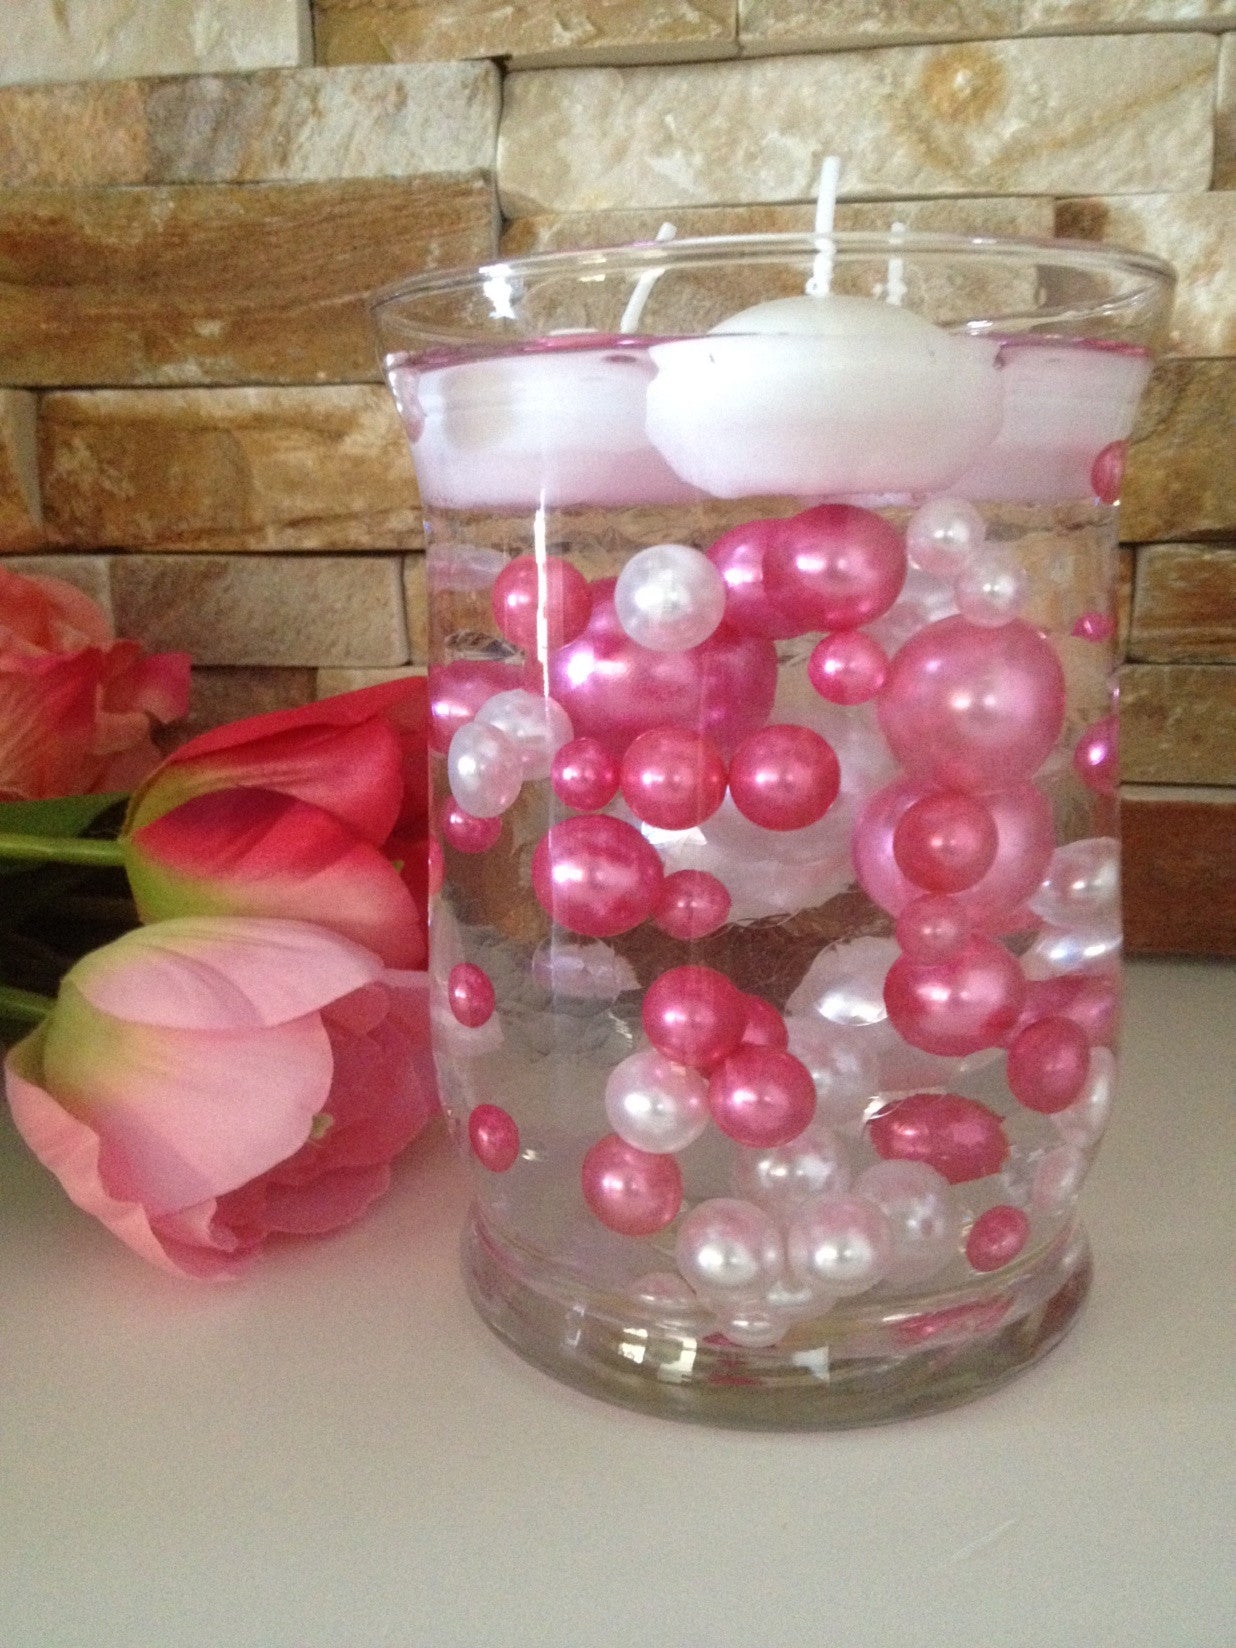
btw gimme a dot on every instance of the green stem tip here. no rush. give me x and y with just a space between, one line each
23 1006
49 849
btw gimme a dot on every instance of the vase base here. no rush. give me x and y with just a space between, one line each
856 1365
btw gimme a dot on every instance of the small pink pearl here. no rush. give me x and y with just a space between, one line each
529 593
437 869
1096 759
1047 1065
932 928
470 994
494 1137
765 1027
835 567
959 1137
466 833
672 778
596 875
848 667
694 1015
1094 626
584 775
691 905
945 843
996 1237
761 1097
1107 472
633 1192
784 777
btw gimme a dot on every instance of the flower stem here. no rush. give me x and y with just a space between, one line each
23 1006
51 849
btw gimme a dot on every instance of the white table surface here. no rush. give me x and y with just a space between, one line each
336 1454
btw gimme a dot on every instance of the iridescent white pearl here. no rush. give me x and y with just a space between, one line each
654 1104
944 535
791 1298
843 1244
729 1248
663 1292
669 598
811 1165
843 1071
754 1329
991 590
1083 1122
1058 1178
536 725
1082 885
845 982
924 1219
582 972
1065 950
484 770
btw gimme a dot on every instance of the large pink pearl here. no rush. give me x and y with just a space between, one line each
694 1015
584 775
1096 757
546 600
996 1238
973 708
692 904
466 833
672 778
835 567
1048 1063
847 668
738 556
596 875
945 842
494 1137
958 1006
614 689
761 1097
784 777
1024 841
633 1192
457 690
959 1137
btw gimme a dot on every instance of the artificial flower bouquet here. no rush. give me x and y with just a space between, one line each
247 1051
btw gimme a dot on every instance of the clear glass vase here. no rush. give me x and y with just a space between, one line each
776 928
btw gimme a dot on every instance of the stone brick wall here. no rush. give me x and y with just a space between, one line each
197 195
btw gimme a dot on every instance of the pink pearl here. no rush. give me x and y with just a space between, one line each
1090 1000
466 833
530 593
1047 1065
958 1006
761 1097
470 994
614 689
973 708
1096 759
959 1137
631 1191
494 1138
437 868
835 567
847 668
738 556
1094 626
932 928
672 778
784 777
765 1027
596 875
694 1015
1024 841
1107 472
996 1238
584 775
457 690
945 842
692 904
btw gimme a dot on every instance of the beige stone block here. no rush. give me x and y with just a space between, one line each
300 125
1111 114
1196 234
21 509
230 469
217 696
1181 480
330 682
227 283
416 608
1178 723
109 39
382 31
1225 116
270 609
89 573
1184 609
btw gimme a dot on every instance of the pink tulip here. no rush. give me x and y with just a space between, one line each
76 705
203 1084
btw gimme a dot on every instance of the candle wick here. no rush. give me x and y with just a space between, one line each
895 291
644 285
821 280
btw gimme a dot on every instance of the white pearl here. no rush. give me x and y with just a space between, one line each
1063 950
1083 1122
665 1293
654 1104
843 1072
582 972
845 982
944 535
1058 1178
811 1165
1082 885
728 1247
841 1243
991 590
484 769
925 1221
669 598
754 1329
536 725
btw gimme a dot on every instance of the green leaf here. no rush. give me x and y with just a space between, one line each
64 815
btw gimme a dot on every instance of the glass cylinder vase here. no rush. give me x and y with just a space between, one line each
773 589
